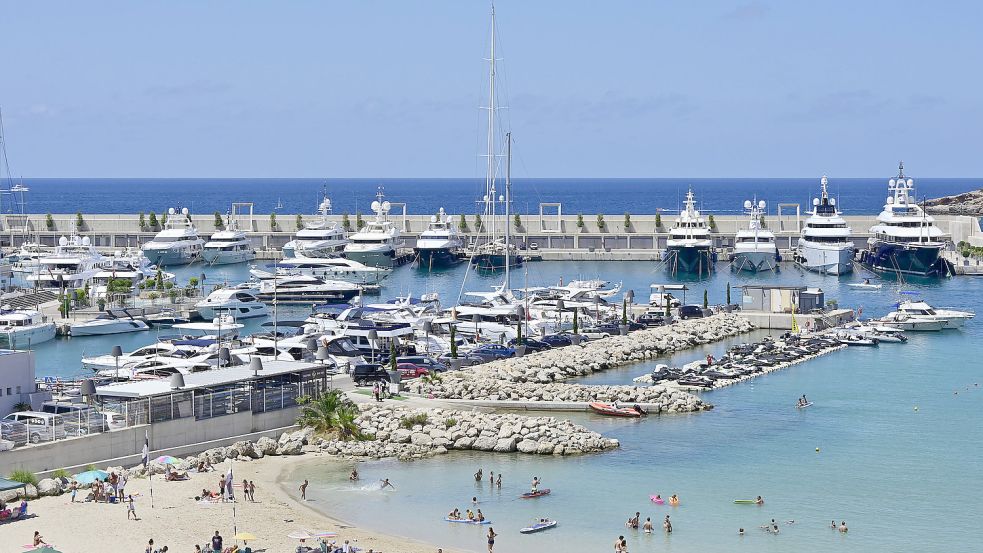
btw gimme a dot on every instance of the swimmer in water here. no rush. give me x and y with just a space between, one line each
354 475
843 528
474 500
387 484
647 526
477 476
759 501
740 532
674 500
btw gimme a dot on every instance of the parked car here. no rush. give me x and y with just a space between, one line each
597 332
80 419
491 352
367 373
557 340
532 344
41 427
14 431
533 246
410 370
466 359
112 420
691 312
423 361
654 319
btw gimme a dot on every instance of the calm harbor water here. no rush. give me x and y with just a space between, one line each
458 196
896 475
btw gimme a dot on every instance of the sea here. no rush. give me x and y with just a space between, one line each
457 196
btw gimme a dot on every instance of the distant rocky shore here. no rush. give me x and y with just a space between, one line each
968 203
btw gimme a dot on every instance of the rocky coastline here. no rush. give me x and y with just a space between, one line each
968 203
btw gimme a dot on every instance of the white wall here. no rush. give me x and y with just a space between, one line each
16 378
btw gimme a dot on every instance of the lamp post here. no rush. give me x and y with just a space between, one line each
322 355
224 356
427 329
117 353
256 365
373 337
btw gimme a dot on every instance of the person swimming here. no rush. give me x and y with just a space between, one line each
354 475
759 501
647 526
673 500
387 484
843 528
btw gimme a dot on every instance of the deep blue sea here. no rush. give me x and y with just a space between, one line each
423 196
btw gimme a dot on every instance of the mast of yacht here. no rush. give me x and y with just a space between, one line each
508 200
490 153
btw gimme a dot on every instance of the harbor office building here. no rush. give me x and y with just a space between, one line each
183 416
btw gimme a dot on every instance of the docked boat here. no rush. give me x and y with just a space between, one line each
27 258
824 244
177 243
241 304
23 328
107 324
689 247
334 268
221 327
905 239
121 275
166 349
73 264
441 244
376 243
614 411
855 337
922 316
318 238
754 247
228 246
885 334
307 290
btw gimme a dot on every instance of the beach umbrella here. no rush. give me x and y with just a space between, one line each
167 460
300 535
245 536
43 549
91 476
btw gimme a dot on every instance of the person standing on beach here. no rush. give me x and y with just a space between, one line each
245 488
491 539
121 487
217 542
252 491
303 490
150 546
131 509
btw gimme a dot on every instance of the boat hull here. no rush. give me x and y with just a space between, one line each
755 262
171 257
893 257
375 258
117 327
25 338
436 257
495 261
691 260
237 311
828 261
213 257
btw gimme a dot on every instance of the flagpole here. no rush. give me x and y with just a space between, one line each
235 529
146 464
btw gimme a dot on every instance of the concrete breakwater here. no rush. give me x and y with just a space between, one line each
539 376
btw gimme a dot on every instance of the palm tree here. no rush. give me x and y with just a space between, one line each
347 427
321 414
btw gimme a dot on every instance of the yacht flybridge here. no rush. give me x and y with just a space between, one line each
824 244
689 247
905 239
754 247
177 244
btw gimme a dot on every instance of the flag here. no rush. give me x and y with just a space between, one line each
146 448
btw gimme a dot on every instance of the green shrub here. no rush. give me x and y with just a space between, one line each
60 473
24 477
49 222
410 421
450 422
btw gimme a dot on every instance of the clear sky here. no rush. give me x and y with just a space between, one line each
392 88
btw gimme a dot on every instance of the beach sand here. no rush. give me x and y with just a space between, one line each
179 522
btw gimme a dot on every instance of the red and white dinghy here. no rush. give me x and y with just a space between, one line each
612 411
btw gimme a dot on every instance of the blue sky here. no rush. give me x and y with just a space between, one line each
392 89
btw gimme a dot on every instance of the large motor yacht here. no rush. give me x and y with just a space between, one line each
689 248
177 244
305 290
919 315
318 238
905 239
376 243
336 268
241 304
23 328
754 247
228 246
73 264
824 244
440 245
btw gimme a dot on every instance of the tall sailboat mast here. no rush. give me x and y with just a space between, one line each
508 200
490 154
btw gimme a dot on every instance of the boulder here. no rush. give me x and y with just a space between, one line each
463 443
527 446
505 445
49 486
421 439
484 443
264 446
401 436
294 447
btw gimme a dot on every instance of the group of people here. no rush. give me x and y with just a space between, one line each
151 548
803 401
469 515
109 490
647 527
479 477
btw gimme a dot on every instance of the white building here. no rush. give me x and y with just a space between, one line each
17 380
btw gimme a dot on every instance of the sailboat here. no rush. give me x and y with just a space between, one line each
491 253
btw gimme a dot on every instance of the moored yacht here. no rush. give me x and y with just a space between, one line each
228 246
107 324
241 304
337 268
73 264
305 290
440 244
824 245
754 247
905 239
26 259
128 266
919 315
376 243
22 328
689 248
177 243
318 238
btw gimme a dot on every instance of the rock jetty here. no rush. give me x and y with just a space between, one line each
540 376
968 203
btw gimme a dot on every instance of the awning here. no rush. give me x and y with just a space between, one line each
11 485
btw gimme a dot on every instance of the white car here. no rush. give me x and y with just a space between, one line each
113 420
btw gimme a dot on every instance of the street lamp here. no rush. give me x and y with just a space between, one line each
256 365
373 336
117 353
224 356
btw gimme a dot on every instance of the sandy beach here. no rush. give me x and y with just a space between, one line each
179 522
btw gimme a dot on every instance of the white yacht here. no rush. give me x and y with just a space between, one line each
754 247
177 244
441 244
306 290
228 246
318 238
107 324
23 328
131 266
824 244
26 259
335 268
73 264
239 303
919 315
905 239
689 247
375 243
163 349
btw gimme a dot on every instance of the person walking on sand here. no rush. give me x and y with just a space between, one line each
131 509
252 491
491 539
303 490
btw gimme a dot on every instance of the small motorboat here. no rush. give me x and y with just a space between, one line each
537 493
612 411
865 285
538 527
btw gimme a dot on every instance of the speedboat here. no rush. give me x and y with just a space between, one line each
754 247
855 337
107 324
221 327
376 243
318 238
824 245
170 349
239 303
441 244
304 289
865 285
689 247
228 246
615 411
177 243
23 328
905 238
923 312
72 264
335 268
885 334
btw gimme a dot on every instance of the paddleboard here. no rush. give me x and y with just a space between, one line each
803 406
745 501
466 521
538 527
540 493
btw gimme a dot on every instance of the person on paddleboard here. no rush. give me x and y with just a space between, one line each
535 484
